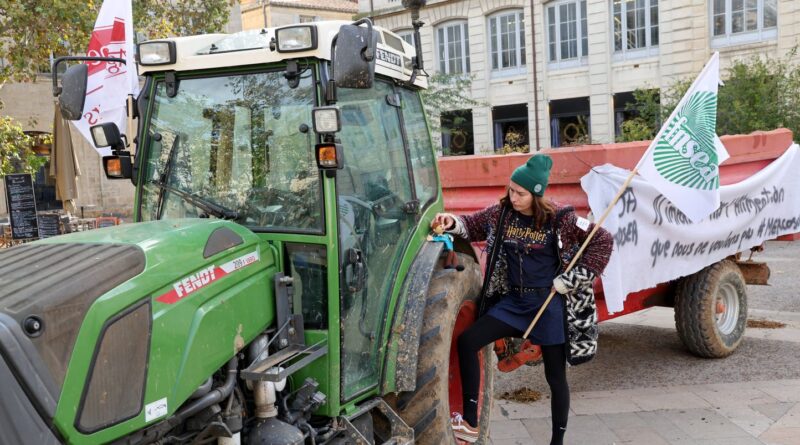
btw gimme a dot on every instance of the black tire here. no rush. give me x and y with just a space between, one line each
427 409
703 329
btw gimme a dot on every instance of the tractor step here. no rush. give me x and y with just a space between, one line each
274 369
398 434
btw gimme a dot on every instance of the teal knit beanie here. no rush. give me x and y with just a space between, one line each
533 174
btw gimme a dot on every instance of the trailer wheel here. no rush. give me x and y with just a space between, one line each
451 308
711 310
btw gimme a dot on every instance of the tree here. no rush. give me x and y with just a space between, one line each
38 29
758 94
16 155
33 30
447 92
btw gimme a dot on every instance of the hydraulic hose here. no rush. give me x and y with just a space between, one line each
215 396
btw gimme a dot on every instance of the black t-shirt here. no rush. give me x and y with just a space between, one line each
532 254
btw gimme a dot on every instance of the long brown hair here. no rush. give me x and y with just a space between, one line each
543 209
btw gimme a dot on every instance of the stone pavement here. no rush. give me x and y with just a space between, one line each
741 413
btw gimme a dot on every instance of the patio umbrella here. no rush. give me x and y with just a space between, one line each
64 163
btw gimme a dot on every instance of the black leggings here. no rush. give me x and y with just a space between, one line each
488 329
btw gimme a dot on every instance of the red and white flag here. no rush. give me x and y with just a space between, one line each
110 83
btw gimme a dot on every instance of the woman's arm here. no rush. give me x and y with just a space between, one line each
596 255
474 227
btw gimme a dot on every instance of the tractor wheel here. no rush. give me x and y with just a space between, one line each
711 310
451 308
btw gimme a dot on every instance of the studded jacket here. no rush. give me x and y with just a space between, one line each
571 232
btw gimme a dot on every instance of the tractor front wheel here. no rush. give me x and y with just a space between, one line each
711 310
451 307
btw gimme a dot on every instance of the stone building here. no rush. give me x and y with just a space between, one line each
561 71
271 13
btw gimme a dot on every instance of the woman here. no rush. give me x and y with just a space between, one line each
537 240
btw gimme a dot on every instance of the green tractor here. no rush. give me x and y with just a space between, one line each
277 286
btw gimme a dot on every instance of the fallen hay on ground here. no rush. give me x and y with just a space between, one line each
764 324
522 395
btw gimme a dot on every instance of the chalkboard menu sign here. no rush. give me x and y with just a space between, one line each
49 225
21 206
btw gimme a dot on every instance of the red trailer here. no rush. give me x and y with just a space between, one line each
711 304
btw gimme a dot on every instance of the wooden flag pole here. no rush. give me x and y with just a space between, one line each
583 246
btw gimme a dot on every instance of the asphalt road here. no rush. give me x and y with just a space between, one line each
634 356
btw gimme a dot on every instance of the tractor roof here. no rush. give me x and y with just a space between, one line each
252 47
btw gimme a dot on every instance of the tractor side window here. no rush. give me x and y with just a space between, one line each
372 190
309 269
419 145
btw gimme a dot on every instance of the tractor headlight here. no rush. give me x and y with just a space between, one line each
296 38
156 53
326 119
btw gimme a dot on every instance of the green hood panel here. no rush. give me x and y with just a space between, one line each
209 284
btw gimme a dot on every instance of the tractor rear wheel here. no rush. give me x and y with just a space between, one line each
451 307
711 310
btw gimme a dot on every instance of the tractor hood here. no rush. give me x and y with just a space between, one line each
52 289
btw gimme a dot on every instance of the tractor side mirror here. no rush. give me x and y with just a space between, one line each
73 91
107 135
354 65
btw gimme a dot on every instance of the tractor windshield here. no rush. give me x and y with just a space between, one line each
242 143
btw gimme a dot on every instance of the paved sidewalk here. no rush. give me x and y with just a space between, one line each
741 413
719 414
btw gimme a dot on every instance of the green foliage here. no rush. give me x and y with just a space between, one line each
636 129
447 92
16 155
759 94
158 18
63 27
647 116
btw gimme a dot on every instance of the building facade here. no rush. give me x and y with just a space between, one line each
560 72
258 14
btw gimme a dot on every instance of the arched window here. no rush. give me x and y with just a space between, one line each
507 40
567 34
452 44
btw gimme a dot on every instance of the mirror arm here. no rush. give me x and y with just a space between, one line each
368 53
56 88
330 91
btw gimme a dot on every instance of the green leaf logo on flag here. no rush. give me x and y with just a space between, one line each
685 153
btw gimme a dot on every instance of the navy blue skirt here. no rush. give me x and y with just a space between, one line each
518 311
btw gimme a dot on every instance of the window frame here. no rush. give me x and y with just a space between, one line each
729 38
580 59
520 66
649 49
403 33
442 60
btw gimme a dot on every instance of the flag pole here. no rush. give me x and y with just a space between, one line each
585 243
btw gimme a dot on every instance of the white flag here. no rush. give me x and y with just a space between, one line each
110 83
682 162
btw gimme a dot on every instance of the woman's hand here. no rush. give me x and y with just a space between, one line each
445 219
576 279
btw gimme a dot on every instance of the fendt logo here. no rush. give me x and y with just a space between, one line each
196 281
685 153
